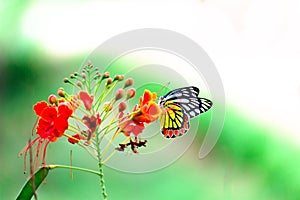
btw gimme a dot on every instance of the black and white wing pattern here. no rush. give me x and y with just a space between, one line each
187 98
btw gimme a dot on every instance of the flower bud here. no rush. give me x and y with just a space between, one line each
119 94
52 99
61 92
107 106
122 106
98 75
105 75
119 77
128 82
83 75
75 73
66 80
109 81
78 83
89 63
130 93
72 76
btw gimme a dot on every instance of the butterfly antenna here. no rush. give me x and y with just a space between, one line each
163 87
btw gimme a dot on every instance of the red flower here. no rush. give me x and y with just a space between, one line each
53 121
148 110
92 122
128 126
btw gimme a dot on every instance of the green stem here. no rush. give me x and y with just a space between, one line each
98 86
100 166
74 168
98 101
110 89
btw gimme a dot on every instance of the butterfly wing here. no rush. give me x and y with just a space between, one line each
179 106
174 121
188 99
185 92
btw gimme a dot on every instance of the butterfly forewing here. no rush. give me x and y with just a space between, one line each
205 105
182 93
188 99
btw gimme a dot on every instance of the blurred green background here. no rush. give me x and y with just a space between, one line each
249 161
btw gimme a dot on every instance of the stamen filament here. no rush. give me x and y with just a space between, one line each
110 141
89 151
44 153
114 152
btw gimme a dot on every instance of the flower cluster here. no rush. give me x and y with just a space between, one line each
51 124
146 112
93 112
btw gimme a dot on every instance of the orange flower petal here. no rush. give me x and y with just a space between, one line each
154 109
147 97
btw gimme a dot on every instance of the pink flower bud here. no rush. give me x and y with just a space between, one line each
128 82
122 106
61 92
119 94
78 83
52 99
130 93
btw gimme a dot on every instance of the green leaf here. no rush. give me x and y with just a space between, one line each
28 191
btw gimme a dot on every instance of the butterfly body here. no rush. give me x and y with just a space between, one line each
178 106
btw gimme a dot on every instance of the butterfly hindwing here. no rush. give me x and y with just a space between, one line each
174 122
179 106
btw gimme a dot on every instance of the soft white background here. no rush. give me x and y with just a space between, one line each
254 44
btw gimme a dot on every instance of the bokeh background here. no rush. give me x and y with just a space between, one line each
255 46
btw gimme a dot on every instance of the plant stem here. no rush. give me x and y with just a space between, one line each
100 166
74 168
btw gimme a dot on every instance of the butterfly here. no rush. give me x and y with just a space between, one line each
178 106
